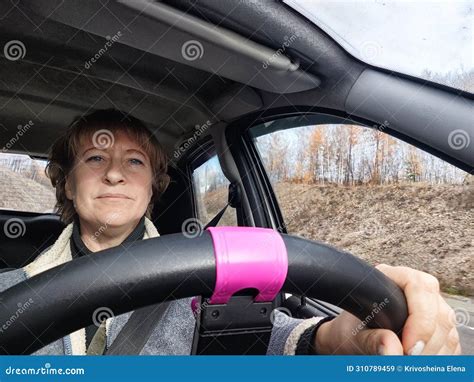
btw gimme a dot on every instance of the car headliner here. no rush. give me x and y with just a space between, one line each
255 57
51 86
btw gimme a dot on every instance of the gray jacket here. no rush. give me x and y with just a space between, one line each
172 334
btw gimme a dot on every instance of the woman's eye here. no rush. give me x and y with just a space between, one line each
95 158
135 161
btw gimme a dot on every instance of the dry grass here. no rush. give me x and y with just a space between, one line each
430 228
24 194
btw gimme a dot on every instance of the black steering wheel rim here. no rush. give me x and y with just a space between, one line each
173 267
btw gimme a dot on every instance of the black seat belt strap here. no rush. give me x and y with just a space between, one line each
233 201
215 219
136 332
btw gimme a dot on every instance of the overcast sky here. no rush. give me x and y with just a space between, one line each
407 36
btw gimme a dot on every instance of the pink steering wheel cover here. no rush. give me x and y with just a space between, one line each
248 257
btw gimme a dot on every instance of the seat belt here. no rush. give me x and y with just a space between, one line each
233 201
136 332
215 219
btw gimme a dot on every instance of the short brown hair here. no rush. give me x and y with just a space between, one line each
65 149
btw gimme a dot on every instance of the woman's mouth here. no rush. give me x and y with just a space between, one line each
113 196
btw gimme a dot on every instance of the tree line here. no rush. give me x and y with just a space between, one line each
349 155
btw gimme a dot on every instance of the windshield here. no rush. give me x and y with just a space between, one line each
429 40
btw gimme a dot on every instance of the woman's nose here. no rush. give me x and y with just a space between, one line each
114 172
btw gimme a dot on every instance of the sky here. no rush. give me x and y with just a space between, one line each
406 36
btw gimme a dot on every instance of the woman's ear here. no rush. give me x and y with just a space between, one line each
68 188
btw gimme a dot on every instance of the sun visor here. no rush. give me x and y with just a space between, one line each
164 31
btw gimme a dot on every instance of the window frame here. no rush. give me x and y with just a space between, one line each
259 189
254 176
203 152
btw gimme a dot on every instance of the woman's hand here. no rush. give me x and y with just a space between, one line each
430 327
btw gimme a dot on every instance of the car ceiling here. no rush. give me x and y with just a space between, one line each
143 74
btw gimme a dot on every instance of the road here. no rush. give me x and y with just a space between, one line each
464 309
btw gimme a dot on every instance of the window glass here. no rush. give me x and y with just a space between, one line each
432 40
24 185
211 192
377 197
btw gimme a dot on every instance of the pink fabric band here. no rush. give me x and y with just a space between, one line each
248 257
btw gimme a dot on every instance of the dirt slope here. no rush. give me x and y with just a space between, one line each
423 226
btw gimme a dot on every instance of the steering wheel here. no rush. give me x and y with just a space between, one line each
175 266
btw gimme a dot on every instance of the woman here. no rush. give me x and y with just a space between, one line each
108 170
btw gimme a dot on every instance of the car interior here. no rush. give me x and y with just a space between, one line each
206 100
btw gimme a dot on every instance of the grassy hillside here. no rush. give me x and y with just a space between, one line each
423 226
24 194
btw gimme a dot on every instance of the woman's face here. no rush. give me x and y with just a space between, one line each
110 185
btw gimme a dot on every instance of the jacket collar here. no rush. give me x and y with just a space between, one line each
59 253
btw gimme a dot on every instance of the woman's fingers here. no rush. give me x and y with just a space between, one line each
379 341
445 338
431 325
421 292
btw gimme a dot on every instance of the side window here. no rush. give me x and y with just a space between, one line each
211 193
24 185
375 196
